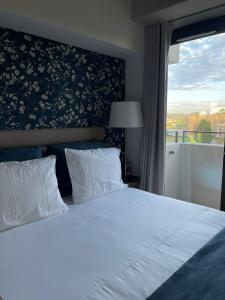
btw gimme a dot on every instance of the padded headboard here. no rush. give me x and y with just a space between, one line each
43 137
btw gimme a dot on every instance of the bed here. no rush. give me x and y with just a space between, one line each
120 246
123 245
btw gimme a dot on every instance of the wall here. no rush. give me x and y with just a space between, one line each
104 26
46 84
194 173
105 20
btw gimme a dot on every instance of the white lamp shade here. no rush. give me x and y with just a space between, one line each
126 114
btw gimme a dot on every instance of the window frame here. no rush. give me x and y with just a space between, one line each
199 29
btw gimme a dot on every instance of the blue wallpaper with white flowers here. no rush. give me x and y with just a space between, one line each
46 84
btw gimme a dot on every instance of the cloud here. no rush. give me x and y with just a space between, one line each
202 65
187 107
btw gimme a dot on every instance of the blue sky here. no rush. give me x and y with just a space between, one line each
199 78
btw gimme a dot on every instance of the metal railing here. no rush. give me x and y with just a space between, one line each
182 134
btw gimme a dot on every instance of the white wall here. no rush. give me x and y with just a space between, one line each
106 20
194 173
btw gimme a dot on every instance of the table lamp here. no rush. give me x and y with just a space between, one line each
125 114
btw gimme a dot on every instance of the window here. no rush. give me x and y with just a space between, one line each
196 91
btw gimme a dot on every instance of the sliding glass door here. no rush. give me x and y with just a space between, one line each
196 121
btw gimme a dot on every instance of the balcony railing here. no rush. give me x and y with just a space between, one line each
194 136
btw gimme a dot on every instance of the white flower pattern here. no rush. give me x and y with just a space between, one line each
46 84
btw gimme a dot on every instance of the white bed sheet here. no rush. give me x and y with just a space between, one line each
121 246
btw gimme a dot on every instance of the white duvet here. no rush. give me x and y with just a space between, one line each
121 246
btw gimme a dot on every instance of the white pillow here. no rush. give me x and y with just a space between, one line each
94 172
28 191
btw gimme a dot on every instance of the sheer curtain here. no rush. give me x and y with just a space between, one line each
157 42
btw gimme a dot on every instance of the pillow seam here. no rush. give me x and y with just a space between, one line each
109 172
92 176
13 191
43 182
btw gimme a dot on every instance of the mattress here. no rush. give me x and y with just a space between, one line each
123 245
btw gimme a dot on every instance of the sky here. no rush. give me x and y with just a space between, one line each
199 78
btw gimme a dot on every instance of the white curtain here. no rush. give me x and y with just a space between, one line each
157 42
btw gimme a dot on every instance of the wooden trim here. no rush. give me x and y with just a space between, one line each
43 137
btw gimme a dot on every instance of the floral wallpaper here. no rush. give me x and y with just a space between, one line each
46 84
